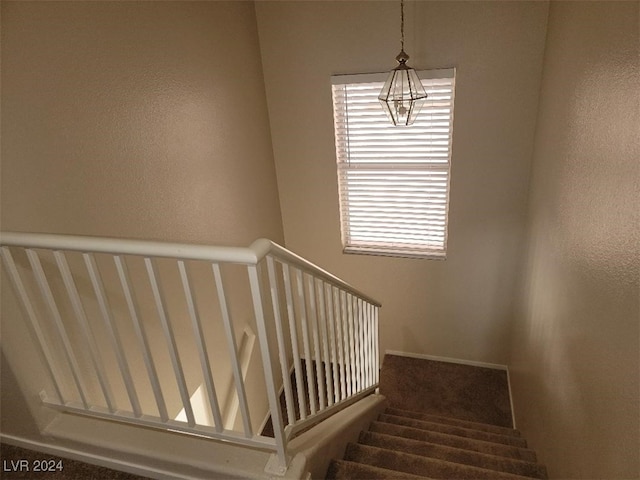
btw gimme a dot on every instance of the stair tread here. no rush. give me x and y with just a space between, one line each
423 466
453 421
453 454
454 430
347 470
454 441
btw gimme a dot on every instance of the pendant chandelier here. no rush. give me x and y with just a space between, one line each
403 95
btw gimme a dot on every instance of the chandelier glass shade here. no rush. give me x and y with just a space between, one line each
403 95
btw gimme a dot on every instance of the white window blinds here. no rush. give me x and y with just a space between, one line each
393 181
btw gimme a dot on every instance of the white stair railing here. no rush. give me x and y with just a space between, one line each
129 330
327 323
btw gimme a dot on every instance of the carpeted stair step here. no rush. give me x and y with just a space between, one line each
452 454
427 417
345 470
454 430
456 441
422 466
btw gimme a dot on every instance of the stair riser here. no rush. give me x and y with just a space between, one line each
454 422
454 441
343 470
450 454
417 465
454 430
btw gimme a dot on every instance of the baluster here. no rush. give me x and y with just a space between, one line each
372 358
201 346
286 380
170 339
369 344
322 325
347 342
25 301
358 337
367 317
112 329
352 344
294 342
274 401
340 343
363 345
356 342
376 344
332 340
305 340
45 291
125 282
82 321
339 317
233 350
316 341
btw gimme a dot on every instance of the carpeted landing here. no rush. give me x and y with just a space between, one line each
445 421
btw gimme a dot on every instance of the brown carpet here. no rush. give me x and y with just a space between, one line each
445 421
267 431
452 390
19 463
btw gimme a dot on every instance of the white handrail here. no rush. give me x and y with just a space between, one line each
251 255
117 246
263 247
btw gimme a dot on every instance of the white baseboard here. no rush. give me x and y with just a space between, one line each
423 356
513 412
472 363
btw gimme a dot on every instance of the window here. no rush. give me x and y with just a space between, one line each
393 181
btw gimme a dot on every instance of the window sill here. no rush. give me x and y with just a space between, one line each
378 251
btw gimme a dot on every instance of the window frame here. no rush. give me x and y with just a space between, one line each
344 164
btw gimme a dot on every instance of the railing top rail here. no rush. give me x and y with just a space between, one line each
117 246
264 246
224 254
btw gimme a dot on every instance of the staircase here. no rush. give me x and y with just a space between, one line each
416 443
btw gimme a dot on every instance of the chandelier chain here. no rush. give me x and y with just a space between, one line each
402 25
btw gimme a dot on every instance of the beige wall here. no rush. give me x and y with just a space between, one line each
130 119
460 307
136 119
575 364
